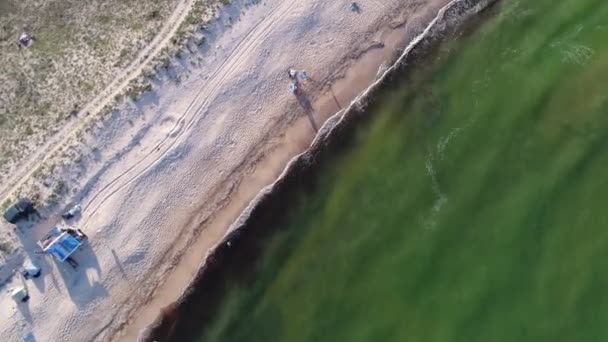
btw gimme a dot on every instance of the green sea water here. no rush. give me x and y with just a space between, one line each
472 207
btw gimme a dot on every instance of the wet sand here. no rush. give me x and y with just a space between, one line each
165 177
335 95
267 210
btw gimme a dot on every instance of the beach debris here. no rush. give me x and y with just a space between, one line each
354 7
72 212
25 40
30 270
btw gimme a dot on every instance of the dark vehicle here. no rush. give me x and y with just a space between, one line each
19 210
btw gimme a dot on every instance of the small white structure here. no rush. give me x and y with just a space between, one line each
25 39
20 294
31 271
292 73
72 212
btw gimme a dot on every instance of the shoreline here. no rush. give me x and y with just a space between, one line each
222 259
165 177
360 71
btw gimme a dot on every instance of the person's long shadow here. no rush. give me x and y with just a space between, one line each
119 264
29 337
307 106
24 309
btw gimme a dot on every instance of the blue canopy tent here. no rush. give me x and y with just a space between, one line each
59 244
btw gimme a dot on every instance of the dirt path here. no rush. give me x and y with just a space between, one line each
89 112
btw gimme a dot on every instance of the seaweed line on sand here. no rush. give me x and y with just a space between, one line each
236 248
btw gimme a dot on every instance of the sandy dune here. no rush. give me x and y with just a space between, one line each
18 175
168 174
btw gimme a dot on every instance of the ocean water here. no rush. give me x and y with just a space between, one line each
472 207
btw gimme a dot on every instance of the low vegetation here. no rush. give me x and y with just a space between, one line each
78 48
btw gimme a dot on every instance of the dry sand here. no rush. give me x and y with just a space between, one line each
166 176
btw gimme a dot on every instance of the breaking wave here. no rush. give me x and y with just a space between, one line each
232 259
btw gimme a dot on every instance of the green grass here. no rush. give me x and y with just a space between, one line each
471 209
76 52
90 43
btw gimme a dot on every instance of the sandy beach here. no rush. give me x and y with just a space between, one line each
165 176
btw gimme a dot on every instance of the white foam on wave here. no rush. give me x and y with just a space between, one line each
325 132
441 198
438 154
577 54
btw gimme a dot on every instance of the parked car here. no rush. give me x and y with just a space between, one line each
19 210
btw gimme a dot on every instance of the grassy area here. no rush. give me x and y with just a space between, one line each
78 49
472 209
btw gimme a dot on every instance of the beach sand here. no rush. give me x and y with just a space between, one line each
168 174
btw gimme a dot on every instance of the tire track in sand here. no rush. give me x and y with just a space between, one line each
186 121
